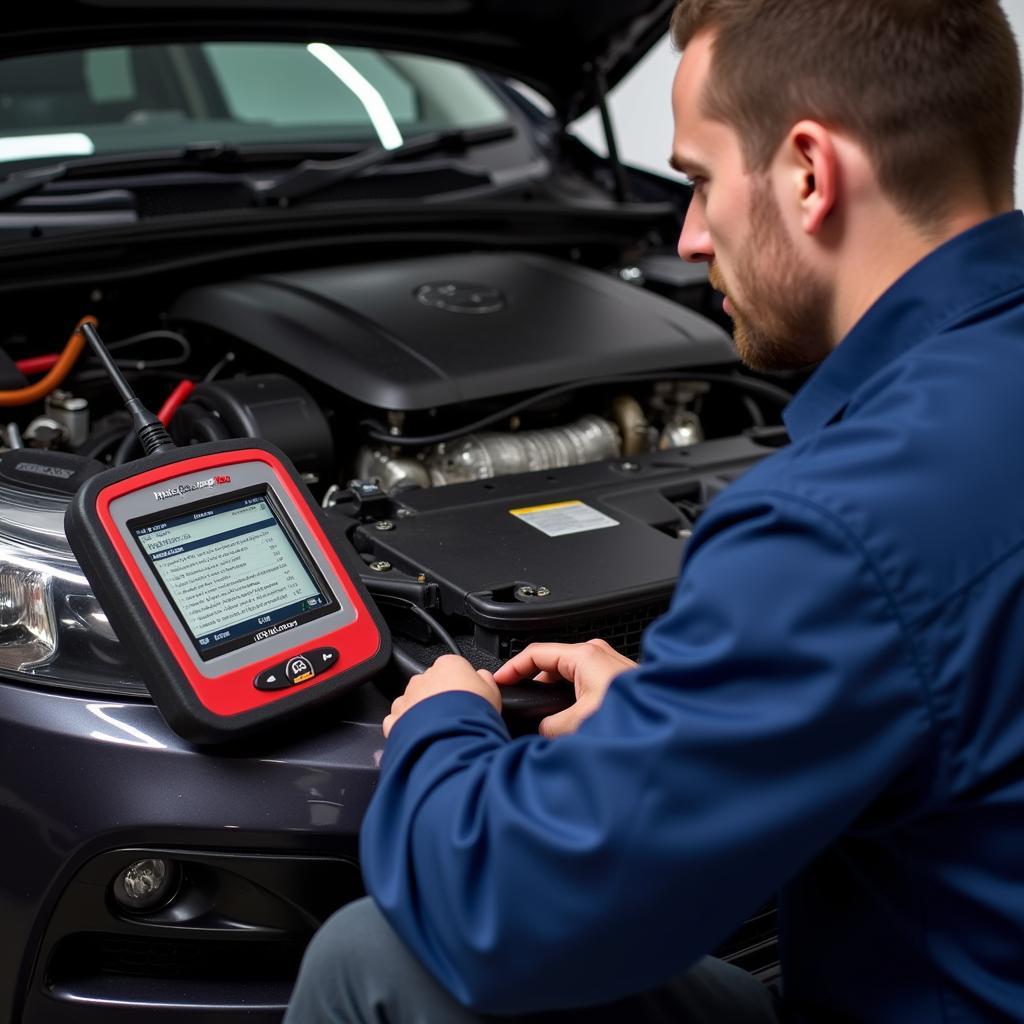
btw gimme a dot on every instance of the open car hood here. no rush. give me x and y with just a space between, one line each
552 45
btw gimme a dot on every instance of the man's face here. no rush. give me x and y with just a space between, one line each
780 304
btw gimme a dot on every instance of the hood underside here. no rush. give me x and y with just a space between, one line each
552 45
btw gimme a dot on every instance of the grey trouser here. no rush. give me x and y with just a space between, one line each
357 971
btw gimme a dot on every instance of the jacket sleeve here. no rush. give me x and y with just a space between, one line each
774 701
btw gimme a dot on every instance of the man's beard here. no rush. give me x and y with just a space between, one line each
785 322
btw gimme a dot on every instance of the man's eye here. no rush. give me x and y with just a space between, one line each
695 181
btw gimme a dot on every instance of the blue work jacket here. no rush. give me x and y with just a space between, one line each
832 708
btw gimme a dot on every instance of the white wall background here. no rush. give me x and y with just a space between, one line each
642 113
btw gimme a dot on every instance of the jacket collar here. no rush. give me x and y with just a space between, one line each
964 273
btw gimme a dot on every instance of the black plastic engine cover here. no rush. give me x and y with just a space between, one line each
515 583
430 332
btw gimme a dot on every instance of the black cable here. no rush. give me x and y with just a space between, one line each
91 375
527 701
143 364
376 431
208 428
407 664
435 627
96 447
115 346
127 449
228 359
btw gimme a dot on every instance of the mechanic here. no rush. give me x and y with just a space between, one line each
833 706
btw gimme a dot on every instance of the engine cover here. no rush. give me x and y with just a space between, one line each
568 555
430 332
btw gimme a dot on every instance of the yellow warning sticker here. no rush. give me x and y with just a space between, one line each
563 518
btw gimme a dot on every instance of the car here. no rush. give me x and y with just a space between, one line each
363 233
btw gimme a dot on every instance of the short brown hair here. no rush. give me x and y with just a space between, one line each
930 88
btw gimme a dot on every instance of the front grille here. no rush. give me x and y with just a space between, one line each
88 953
754 946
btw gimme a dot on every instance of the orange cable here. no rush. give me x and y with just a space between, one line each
42 387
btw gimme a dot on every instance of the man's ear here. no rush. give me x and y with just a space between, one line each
812 163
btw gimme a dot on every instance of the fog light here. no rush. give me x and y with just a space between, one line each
146 884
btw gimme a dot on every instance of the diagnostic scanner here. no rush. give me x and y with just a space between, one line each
214 568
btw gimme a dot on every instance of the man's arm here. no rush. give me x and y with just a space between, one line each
775 700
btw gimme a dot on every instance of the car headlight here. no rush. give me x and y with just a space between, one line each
52 629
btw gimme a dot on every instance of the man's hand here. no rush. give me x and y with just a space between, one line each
447 674
590 667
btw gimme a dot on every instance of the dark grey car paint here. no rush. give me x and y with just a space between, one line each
80 776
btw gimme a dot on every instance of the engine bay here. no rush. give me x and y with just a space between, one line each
517 445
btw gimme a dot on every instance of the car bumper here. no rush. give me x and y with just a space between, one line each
264 839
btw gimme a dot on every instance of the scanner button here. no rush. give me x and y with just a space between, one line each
299 670
323 659
272 679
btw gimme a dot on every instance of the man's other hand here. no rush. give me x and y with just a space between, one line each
590 667
447 674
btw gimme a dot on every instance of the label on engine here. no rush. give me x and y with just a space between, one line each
564 518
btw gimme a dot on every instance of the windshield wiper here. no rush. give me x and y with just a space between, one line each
308 178
314 176
212 156
24 183
197 156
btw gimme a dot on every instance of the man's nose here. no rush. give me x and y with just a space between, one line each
695 239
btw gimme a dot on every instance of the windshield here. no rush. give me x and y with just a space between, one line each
132 99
